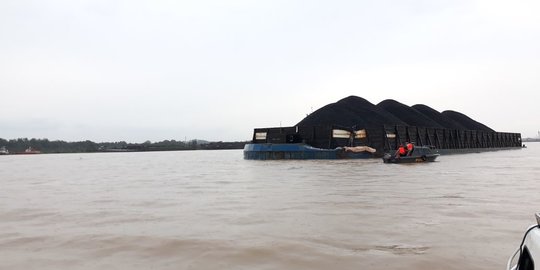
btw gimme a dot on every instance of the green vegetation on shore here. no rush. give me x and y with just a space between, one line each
57 146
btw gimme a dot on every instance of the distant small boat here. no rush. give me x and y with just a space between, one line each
4 151
29 150
418 154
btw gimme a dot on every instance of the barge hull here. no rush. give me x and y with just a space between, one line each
304 151
474 150
298 151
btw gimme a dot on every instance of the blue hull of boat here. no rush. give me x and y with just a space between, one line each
268 151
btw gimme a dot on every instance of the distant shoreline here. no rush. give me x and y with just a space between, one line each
45 146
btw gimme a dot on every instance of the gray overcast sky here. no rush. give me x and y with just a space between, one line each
154 70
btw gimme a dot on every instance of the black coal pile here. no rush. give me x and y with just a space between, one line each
438 117
407 114
351 111
357 112
466 121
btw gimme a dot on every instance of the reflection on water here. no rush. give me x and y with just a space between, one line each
214 210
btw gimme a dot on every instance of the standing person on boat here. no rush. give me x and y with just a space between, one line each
410 147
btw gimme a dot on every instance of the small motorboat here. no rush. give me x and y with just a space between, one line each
529 250
417 154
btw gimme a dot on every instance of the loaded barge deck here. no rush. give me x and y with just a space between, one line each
336 142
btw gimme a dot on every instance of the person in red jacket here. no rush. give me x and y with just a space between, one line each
410 147
401 151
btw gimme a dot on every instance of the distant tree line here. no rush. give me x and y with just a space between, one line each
57 146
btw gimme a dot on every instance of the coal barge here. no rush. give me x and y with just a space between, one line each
353 128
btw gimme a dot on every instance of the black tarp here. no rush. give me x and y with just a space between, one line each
351 111
358 113
407 114
466 121
438 117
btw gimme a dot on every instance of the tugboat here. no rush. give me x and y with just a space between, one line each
529 250
415 154
4 151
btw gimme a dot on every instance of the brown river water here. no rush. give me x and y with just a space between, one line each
214 210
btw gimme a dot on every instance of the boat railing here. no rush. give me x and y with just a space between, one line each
519 250
509 265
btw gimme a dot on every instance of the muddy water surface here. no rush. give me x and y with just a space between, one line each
214 210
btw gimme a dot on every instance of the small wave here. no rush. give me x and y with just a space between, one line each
452 197
403 249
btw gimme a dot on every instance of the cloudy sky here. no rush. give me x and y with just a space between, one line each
153 70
